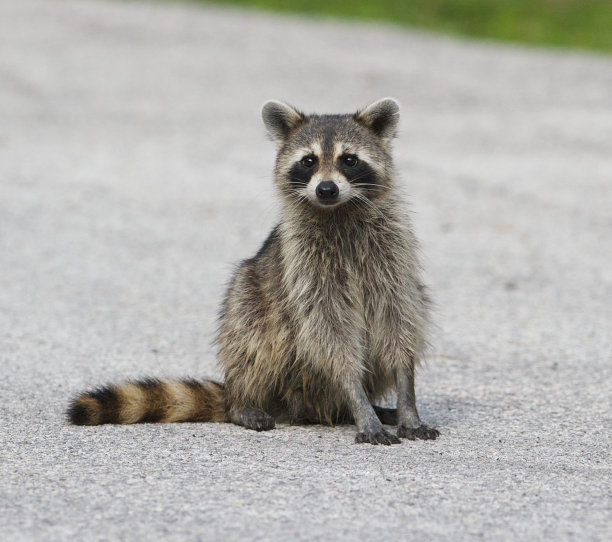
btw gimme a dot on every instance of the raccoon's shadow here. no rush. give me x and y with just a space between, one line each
451 411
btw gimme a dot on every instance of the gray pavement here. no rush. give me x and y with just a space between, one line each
134 173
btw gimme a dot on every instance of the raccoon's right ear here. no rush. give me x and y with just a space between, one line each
280 119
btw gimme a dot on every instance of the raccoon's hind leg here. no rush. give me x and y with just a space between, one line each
297 408
388 416
409 424
251 418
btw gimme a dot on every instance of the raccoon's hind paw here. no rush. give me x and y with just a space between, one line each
377 437
258 420
421 432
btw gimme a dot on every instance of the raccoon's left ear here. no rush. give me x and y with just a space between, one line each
381 117
280 119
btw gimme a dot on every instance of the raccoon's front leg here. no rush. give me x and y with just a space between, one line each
409 424
369 427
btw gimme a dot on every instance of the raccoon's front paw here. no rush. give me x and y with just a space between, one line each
251 418
421 432
381 436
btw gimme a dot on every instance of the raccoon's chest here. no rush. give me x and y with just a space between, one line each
360 276
381 290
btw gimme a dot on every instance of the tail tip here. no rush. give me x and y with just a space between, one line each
79 414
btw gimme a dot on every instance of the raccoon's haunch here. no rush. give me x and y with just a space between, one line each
151 401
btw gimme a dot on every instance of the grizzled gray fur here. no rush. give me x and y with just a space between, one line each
329 316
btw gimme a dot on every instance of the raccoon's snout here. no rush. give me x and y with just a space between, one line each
327 191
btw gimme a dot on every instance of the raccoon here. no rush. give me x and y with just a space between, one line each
329 316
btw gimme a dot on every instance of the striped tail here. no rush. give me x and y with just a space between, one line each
151 401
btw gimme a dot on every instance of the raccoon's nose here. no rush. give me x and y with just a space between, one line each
327 190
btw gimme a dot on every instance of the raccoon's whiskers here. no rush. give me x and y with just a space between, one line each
352 180
358 185
300 199
357 197
295 188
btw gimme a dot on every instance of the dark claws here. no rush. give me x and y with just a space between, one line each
264 424
380 437
257 420
422 432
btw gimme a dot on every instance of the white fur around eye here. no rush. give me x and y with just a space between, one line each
315 150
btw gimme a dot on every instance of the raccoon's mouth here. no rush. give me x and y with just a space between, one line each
327 205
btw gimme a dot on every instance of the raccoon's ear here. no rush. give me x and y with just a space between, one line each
280 119
381 117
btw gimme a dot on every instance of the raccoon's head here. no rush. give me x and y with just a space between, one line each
328 161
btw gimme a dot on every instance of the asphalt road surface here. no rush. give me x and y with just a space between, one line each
135 173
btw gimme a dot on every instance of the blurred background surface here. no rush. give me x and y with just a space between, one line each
570 23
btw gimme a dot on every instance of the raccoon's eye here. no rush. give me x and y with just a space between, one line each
350 160
308 161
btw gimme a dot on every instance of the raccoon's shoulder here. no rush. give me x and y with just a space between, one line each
253 276
269 249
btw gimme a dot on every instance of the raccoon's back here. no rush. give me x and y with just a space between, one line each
150 401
